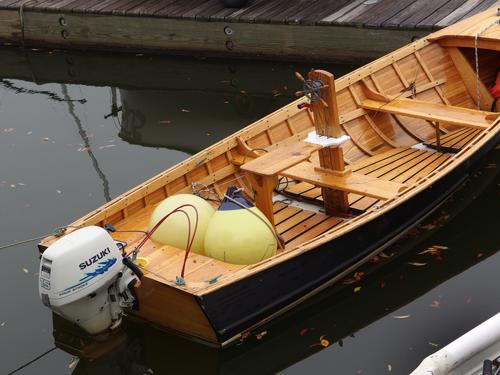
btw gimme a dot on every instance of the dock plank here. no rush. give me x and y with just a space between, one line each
382 11
413 14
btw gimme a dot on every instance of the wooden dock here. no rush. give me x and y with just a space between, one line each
323 30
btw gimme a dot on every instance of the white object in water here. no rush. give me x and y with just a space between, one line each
465 355
84 280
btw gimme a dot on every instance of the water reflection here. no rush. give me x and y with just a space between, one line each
336 315
184 104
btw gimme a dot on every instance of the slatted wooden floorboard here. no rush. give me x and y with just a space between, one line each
454 141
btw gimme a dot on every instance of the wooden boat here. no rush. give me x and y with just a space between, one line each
418 121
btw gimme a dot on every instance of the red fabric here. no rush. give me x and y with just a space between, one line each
495 90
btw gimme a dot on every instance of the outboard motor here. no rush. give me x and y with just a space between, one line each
85 279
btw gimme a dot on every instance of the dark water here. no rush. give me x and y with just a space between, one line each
79 129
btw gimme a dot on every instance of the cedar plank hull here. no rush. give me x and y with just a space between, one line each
243 304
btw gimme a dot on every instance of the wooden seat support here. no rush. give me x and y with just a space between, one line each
356 183
263 172
459 116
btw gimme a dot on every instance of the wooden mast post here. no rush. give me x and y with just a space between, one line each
326 122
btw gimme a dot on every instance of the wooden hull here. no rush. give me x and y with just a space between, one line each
417 127
246 303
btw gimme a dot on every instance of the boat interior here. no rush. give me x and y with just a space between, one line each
401 119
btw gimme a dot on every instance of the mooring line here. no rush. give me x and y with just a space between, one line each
32 361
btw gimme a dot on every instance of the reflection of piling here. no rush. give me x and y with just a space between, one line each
86 143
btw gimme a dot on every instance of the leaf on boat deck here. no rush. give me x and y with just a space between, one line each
417 264
357 289
401 316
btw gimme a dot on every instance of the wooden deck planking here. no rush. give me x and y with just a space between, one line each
393 21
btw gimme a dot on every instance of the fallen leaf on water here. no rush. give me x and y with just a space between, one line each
106 146
435 304
72 362
324 342
357 289
417 264
358 275
401 316
261 335
25 270
303 331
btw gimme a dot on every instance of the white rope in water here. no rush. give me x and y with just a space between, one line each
484 29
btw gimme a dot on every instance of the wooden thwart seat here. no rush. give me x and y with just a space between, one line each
433 112
357 183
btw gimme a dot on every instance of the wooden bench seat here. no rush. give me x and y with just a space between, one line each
353 182
437 112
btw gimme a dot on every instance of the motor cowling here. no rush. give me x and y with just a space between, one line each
83 279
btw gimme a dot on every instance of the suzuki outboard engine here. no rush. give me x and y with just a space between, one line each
85 279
